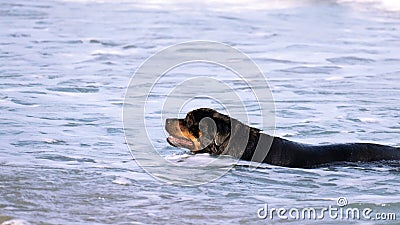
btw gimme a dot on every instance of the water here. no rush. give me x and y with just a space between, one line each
333 68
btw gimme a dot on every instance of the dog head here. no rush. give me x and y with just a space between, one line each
205 130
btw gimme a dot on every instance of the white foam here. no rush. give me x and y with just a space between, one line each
177 157
368 120
15 222
121 181
389 5
52 141
217 5
245 5
334 78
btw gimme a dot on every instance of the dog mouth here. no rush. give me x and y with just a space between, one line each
180 142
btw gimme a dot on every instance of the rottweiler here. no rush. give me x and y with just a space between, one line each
205 130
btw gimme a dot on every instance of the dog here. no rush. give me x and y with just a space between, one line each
205 130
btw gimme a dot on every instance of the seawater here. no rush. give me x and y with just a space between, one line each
332 66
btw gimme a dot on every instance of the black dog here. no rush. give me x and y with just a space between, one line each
219 134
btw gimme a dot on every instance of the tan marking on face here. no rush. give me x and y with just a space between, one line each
185 133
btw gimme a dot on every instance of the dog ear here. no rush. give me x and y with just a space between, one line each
223 125
220 139
238 139
208 131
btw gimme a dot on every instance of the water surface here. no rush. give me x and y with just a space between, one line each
65 65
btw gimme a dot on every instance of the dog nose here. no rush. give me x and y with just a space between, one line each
171 122
168 121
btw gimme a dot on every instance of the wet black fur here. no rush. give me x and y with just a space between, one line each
280 151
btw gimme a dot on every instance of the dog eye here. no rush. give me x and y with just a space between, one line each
189 123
